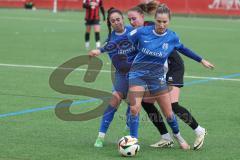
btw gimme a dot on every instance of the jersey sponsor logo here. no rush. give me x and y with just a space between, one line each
151 53
126 51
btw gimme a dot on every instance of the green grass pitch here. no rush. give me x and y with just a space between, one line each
32 43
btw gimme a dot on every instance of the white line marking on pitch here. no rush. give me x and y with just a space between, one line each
105 71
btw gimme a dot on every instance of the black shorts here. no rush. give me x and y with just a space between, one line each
175 72
92 22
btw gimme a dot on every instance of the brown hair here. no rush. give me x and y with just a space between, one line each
146 7
110 12
163 9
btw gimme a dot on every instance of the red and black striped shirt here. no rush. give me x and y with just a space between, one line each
92 11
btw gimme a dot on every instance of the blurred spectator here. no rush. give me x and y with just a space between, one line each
29 4
92 18
225 4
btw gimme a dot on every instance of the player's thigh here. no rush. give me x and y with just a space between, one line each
148 98
174 94
120 84
96 28
88 28
135 96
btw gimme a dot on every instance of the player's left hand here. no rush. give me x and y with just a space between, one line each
207 64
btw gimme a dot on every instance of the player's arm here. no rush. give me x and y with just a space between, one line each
103 13
105 48
110 45
132 37
191 54
102 10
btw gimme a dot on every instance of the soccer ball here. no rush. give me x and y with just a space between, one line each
128 146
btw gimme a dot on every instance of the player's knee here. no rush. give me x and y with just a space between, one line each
115 102
134 110
116 99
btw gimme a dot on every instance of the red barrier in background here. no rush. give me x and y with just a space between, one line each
205 7
69 4
198 7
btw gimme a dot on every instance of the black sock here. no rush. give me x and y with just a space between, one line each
87 36
155 116
184 115
97 36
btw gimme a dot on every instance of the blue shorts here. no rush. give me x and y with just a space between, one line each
152 84
120 83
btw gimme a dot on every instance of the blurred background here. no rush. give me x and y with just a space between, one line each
36 36
197 7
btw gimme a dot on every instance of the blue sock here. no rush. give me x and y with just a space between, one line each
134 123
107 118
128 116
173 124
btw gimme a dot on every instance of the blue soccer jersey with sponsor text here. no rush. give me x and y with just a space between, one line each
154 49
121 53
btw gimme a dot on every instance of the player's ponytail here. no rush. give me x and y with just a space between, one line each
110 12
108 22
149 7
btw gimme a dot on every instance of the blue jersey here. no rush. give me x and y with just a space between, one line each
153 51
121 53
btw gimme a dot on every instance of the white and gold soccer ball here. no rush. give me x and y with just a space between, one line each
128 146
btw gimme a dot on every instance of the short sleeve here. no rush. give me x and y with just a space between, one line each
177 42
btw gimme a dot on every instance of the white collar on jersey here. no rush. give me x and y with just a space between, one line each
160 35
119 34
